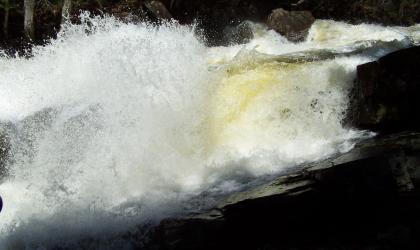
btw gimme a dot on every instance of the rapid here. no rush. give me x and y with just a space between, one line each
113 125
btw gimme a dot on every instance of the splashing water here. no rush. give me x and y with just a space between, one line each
112 125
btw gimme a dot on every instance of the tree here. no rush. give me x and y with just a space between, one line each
29 25
6 18
6 5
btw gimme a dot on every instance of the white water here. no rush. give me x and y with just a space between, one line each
116 125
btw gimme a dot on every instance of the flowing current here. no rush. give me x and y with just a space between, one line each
114 125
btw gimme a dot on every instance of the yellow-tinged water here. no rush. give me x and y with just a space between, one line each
240 89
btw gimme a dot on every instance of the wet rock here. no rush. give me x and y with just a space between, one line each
367 198
187 234
238 34
4 148
294 25
158 10
385 97
213 17
23 134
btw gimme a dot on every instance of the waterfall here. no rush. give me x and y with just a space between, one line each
112 125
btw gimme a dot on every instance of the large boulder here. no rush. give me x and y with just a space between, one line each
386 94
363 199
294 25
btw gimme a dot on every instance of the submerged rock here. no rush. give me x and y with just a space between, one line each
22 135
238 34
385 96
366 198
4 148
294 25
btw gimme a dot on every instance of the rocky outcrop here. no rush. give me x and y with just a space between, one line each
294 25
385 97
367 198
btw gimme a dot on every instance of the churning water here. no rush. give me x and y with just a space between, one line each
113 125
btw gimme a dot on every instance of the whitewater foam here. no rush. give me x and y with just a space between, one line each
114 125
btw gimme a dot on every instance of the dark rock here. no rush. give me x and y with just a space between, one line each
385 96
294 25
367 198
214 16
238 34
187 234
158 10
